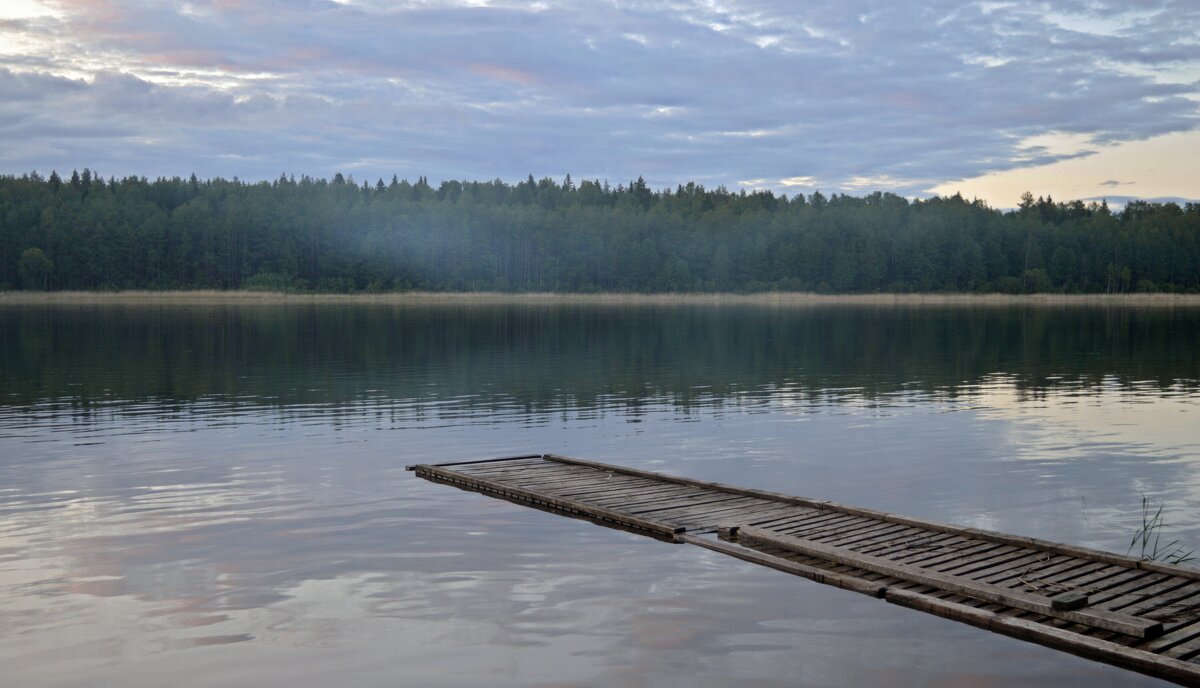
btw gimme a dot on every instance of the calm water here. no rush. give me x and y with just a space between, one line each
205 496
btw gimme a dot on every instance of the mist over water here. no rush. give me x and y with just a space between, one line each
216 495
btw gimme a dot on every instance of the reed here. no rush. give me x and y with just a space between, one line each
1147 541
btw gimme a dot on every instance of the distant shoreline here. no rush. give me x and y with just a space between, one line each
213 297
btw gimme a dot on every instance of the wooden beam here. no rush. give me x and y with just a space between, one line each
810 572
1167 668
1111 621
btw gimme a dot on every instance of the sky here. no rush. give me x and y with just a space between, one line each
1071 98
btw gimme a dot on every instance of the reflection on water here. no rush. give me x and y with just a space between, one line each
214 496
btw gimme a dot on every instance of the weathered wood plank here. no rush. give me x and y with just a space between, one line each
592 480
1163 595
823 522
983 555
732 516
1179 607
823 564
1005 538
778 563
790 515
971 564
549 473
1029 561
1056 565
581 507
626 503
954 552
1059 573
1174 634
647 492
542 468
535 480
805 514
700 515
882 541
922 544
871 533
1031 578
631 486
875 539
1184 651
648 503
839 529
1168 668
750 510
582 487
1113 621
684 504
809 522
762 505
1095 577
1128 591
678 492
632 496
797 514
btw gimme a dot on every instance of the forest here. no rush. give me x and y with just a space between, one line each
337 235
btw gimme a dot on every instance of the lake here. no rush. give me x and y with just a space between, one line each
215 494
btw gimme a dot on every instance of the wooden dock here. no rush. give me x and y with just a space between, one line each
1136 614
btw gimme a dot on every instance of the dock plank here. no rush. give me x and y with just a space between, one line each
1112 621
1140 615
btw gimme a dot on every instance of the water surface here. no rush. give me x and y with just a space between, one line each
216 495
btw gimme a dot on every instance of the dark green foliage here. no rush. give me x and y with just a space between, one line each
34 268
580 236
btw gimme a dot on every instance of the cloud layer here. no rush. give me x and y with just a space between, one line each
849 95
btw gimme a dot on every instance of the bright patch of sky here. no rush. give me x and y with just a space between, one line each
24 9
1164 167
850 96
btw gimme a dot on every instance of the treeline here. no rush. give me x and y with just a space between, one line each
303 234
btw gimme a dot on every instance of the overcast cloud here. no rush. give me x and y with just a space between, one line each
844 96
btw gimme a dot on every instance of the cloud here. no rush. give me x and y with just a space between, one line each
841 96
801 181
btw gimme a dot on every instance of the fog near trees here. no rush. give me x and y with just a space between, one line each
85 232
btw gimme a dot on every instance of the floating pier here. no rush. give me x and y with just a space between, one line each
1137 614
